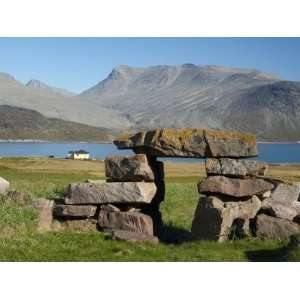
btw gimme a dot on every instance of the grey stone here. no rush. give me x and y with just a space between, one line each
130 221
214 218
235 187
128 168
283 202
125 235
4 185
286 193
189 142
45 213
87 211
268 227
231 167
110 192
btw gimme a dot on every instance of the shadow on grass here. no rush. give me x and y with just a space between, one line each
174 235
274 255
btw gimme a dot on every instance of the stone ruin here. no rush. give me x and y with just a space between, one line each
235 197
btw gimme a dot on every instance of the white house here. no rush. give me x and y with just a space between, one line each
80 154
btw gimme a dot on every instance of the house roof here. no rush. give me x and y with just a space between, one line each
79 152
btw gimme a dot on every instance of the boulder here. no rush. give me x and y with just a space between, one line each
110 192
4 185
85 211
128 168
283 201
235 187
231 167
214 218
286 193
125 235
130 221
190 142
268 227
45 213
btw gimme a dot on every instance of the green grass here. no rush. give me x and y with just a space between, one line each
20 241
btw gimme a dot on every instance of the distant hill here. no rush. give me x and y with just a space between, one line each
202 96
36 84
188 95
55 105
20 123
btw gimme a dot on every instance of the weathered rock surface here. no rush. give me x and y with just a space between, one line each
109 207
232 167
45 213
87 211
4 185
110 192
275 228
235 187
125 235
128 168
190 143
130 221
283 202
286 193
213 217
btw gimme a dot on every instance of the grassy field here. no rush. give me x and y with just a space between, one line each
43 177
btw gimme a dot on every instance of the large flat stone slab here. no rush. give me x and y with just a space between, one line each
214 218
129 221
110 192
235 187
189 142
232 167
268 227
128 168
86 211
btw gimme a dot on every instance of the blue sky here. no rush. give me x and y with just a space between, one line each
79 63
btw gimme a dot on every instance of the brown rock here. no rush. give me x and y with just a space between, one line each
190 142
235 187
125 235
275 228
214 218
86 211
128 168
45 213
130 221
231 167
110 192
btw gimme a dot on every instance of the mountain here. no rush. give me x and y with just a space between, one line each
202 96
20 123
36 84
57 105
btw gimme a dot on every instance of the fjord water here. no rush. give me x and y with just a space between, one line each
269 152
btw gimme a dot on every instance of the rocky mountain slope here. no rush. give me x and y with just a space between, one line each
36 84
20 123
202 96
56 105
